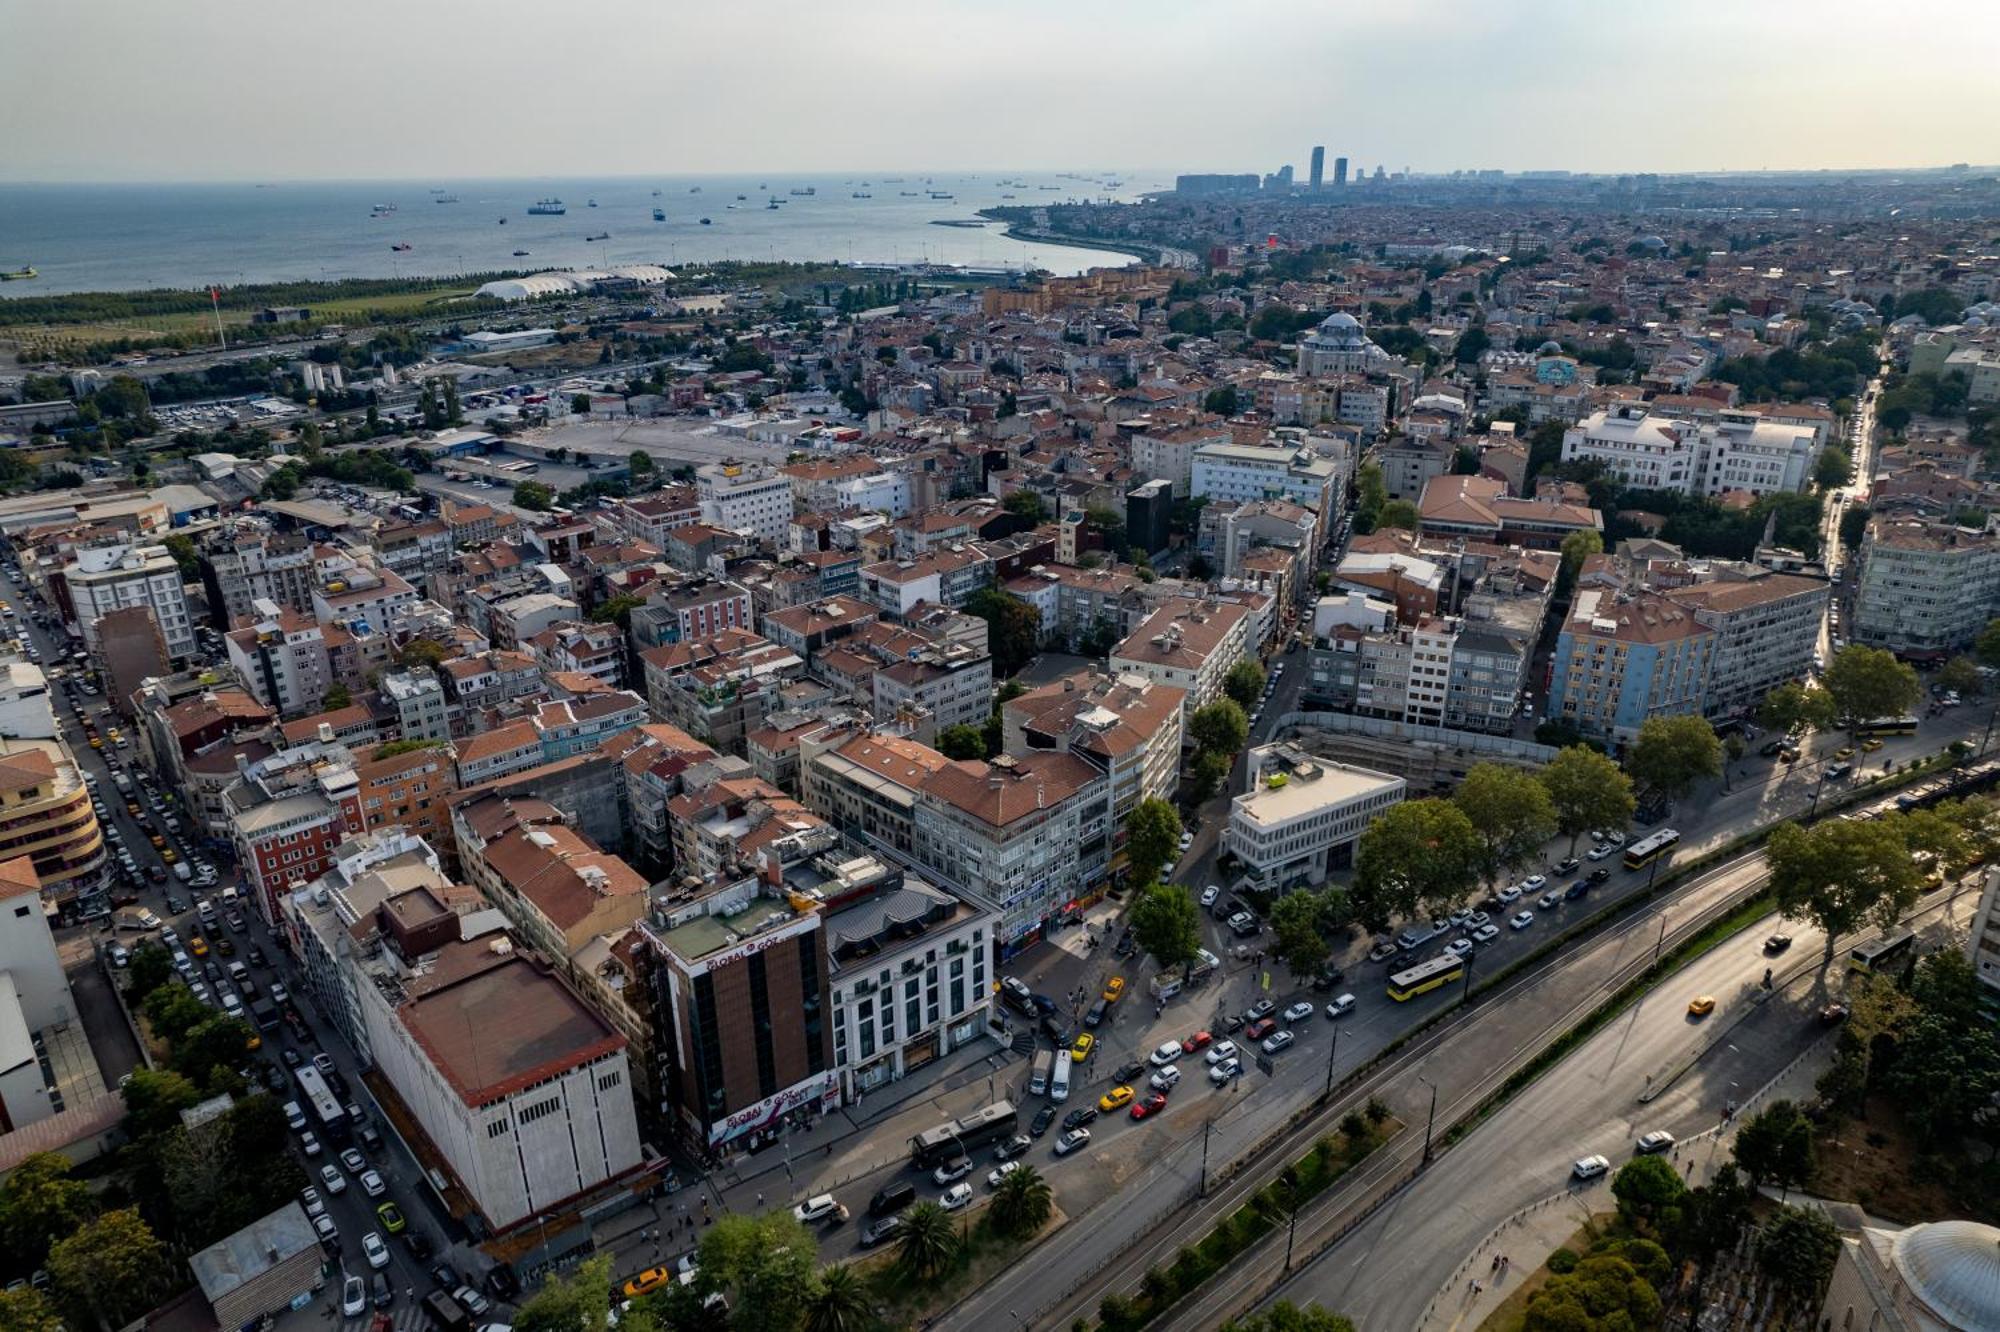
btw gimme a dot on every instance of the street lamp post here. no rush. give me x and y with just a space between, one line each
1661 942
1430 1120
1291 1182
1331 1052
1207 1125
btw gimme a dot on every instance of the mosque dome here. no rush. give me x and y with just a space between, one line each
1953 1269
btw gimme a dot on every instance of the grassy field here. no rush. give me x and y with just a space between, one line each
351 310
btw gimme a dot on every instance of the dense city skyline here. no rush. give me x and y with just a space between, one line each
415 92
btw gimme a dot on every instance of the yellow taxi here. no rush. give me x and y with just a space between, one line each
1870 746
1115 1099
1844 752
1701 1005
158 840
1081 1050
1114 989
167 854
648 1281
198 946
97 742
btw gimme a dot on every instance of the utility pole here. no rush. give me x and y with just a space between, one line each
1207 1124
1661 942
1291 1182
1431 1120
1332 1050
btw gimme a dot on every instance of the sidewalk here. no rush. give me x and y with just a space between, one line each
1528 1237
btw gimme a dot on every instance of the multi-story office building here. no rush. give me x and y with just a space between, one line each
740 989
746 497
1622 658
103 579
249 564
910 974
1168 454
1766 630
1301 814
1738 451
1924 589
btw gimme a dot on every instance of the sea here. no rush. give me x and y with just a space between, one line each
123 237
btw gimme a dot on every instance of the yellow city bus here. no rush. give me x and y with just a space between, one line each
1426 976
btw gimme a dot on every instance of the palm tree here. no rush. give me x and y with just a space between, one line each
840 1304
1022 1203
928 1242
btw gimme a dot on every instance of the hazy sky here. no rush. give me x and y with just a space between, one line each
444 89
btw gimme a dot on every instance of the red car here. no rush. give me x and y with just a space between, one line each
1261 1028
1189 1044
1150 1106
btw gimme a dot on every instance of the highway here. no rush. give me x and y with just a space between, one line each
1385 1273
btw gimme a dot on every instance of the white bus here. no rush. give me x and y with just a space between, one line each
1059 1084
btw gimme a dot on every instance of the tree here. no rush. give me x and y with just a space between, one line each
1586 790
1986 647
40 1203
1841 874
1207 773
1416 856
640 462
1776 1147
150 968
841 1303
1022 1203
1284 1316
1511 814
767 1264
1244 683
926 1243
1295 924
1013 627
1398 513
1796 1249
1371 493
1108 523
1649 1191
1221 401
113 1267
579 404
1868 682
336 697
1671 753
210 1052
173 1011
962 742
1167 924
1603 1293
1219 728
577 1303
154 1099
1961 674
1714 1216
1576 548
182 549
1791 707
1152 836
422 652
617 610
28 1310
533 496
1832 468
1026 504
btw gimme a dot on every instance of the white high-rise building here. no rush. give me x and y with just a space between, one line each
1737 451
103 579
745 497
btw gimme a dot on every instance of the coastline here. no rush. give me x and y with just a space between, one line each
1139 250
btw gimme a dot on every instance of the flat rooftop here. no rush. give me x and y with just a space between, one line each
1303 794
504 1028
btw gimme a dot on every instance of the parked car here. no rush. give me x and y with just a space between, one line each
1074 1140
1656 1141
1340 1006
1590 1167
1298 1012
1277 1041
1521 920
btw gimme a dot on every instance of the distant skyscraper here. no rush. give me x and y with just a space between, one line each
1318 166
1339 172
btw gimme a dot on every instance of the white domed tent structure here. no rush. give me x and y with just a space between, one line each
575 282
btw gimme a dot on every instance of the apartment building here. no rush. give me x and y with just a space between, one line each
1189 645
417 698
1126 726
500 752
751 498
1766 626
1982 942
649 518
1029 834
282 659
102 579
572 647
45 815
1167 454
574 725
867 782
1301 815
1245 473
409 790
1408 463
952 682
249 564
556 887
694 608
1924 589
287 813
1623 657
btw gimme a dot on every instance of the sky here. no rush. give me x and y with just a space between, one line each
105 90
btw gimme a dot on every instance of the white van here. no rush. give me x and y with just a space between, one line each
1059 1083
182 872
